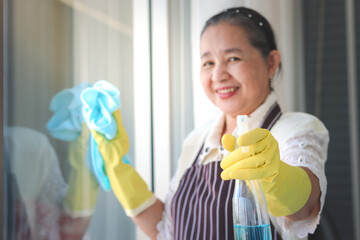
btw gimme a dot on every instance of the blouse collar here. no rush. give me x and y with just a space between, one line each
256 118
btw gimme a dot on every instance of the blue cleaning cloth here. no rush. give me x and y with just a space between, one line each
126 159
97 165
99 102
66 105
67 120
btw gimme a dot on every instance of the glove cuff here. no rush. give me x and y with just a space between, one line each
288 191
145 205
130 189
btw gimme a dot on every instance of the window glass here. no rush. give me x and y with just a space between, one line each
53 50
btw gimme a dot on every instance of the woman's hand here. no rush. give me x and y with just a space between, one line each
287 188
128 186
257 156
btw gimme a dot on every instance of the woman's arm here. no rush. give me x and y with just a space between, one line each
312 206
149 218
73 228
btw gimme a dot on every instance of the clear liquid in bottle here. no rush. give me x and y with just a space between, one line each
250 214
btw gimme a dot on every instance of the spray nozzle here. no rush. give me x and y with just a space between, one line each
242 125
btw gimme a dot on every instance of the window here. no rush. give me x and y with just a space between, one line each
53 46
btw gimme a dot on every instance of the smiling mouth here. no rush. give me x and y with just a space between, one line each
227 90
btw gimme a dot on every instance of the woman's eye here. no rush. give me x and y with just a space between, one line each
233 59
207 64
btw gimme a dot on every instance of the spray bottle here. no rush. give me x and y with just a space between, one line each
250 214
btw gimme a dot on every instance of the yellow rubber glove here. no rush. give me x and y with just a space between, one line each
287 188
83 189
128 186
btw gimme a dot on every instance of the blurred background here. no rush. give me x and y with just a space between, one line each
150 51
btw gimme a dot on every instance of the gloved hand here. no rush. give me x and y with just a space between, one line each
287 188
128 186
83 189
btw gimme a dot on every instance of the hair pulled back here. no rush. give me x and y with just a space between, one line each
259 30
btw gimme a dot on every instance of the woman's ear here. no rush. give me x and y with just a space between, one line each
273 62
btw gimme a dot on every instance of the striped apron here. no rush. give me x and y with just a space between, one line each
202 205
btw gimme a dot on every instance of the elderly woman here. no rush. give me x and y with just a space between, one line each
239 58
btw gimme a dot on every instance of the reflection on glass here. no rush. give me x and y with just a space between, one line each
38 189
54 45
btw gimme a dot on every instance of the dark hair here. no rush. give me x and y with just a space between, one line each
260 33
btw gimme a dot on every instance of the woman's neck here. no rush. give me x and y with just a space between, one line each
230 124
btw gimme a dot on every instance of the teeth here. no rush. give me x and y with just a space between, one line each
227 90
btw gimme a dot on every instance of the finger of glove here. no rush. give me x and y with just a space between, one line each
112 154
121 134
84 135
238 169
76 155
245 174
228 142
99 137
233 158
78 148
252 137
262 165
259 170
243 152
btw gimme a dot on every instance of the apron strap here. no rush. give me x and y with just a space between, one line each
272 116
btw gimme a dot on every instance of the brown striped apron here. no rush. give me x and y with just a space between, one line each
202 205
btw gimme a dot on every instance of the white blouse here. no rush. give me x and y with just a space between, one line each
303 141
41 186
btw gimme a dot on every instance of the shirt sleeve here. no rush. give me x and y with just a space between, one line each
306 147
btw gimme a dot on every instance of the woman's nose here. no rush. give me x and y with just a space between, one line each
220 73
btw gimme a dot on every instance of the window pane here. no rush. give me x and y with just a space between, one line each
53 46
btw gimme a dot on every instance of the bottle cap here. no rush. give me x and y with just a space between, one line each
242 124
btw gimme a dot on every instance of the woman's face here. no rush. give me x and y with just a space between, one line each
234 74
